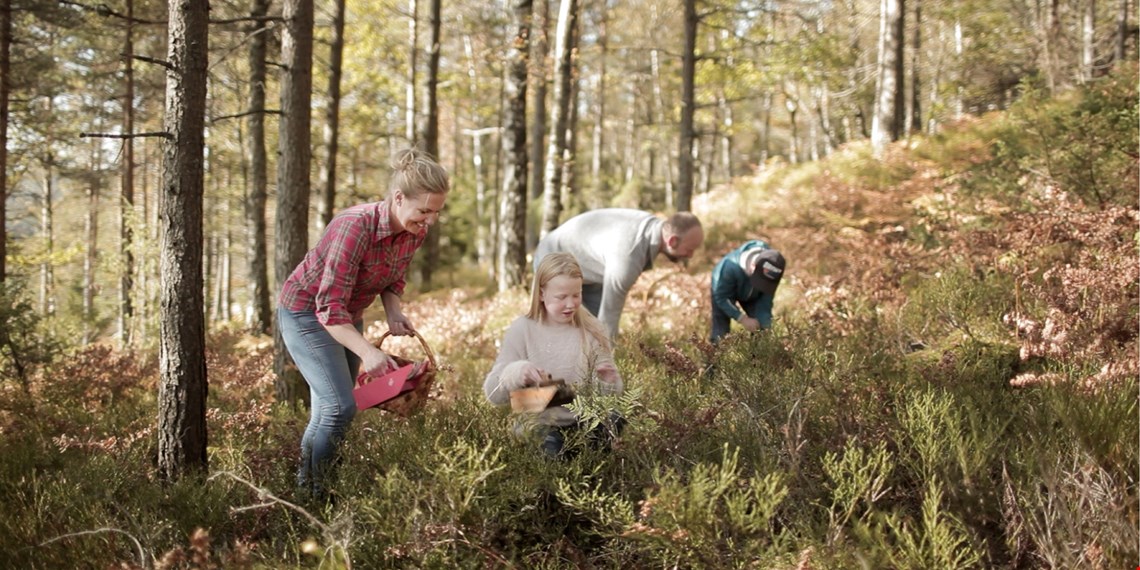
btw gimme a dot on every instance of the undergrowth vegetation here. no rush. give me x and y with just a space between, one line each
951 383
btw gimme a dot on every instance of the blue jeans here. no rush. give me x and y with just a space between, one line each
592 297
330 371
721 323
554 441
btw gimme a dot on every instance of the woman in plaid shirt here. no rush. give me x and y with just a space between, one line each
364 253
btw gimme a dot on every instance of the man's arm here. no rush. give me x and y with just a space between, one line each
724 290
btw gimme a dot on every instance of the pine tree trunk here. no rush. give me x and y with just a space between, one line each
5 79
916 79
262 320
182 348
295 156
1088 40
688 101
127 203
538 80
512 207
326 207
430 135
597 161
559 116
47 276
91 233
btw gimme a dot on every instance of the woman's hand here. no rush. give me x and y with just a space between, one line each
607 372
376 363
399 325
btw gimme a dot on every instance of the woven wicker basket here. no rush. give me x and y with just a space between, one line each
409 402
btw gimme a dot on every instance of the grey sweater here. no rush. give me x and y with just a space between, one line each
613 246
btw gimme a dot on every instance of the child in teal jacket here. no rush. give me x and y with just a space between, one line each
743 285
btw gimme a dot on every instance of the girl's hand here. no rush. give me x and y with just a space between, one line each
399 325
532 375
607 372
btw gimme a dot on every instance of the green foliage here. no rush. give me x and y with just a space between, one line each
1086 148
858 480
940 542
27 344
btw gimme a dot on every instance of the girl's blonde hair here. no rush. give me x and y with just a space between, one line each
415 172
554 265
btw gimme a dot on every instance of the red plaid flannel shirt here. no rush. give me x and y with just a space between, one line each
357 258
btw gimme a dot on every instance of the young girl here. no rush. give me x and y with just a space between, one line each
556 339
363 254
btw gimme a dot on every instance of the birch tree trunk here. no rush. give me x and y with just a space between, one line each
430 135
326 207
410 93
563 52
1088 40
512 207
688 102
182 347
882 127
295 156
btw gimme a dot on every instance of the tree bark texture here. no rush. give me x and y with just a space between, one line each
410 91
127 200
182 348
5 87
255 201
559 117
294 157
538 115
882 127
688 101
430 135
512 207
326 207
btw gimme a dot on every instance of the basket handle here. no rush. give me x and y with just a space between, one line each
423 343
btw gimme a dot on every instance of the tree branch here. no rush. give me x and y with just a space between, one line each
106 11
249 19
138 545
161 134
161 62
246 114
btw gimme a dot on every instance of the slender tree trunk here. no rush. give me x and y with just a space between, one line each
327 204
898 125
1088 40
47 275
257 196
571 198
563 56
5 82
430 135
882 127
512 208
1121 44
410 94
295 156
182 350
483 246
688 103
598 144
915 68
539 56
127 203
91 233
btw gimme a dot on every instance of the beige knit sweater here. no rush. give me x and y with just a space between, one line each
556 349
